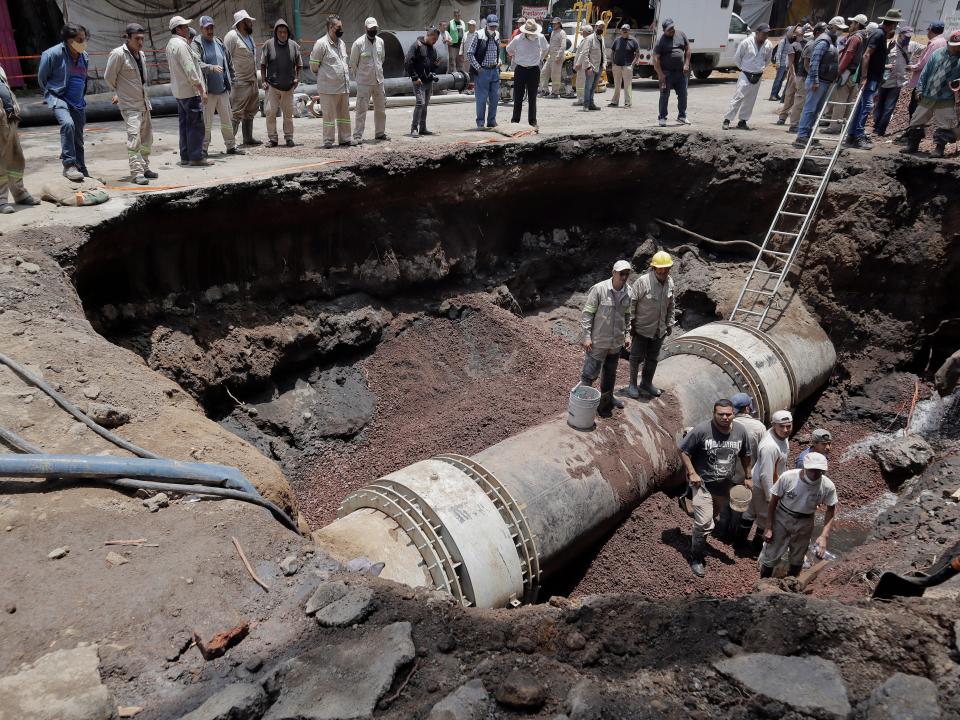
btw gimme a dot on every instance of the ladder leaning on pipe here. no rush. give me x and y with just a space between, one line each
806 189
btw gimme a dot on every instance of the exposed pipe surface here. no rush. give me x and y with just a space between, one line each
487 528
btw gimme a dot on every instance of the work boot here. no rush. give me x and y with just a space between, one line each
781 121
938 150
650 389
793 128
697 546
140 180
150 174
795 570
248 138
726 124
236 151
605 408
618 403
766 571
27 199
7 209
742 532
912 142
632 390
742 125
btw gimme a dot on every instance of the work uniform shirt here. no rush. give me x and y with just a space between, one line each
755 432
592 57
580 52
185 74
366 60
243 57
653 305
752 58
527 50
329 61
800 496
770 462
557 47
714 454
605 320
672 51
127 79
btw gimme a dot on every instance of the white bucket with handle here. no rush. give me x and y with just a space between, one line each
582 409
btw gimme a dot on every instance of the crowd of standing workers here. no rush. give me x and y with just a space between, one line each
732 448
860 65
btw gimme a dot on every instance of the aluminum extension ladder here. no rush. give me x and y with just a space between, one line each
792 221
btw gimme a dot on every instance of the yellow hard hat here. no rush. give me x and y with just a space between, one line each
661 259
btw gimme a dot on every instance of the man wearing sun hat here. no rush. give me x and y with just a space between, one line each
527 49
244 90
604 331
794 499
938 89
872 69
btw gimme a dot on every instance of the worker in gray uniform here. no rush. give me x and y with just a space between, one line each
653 319
793 504
769 463
244 90
604 331
11 154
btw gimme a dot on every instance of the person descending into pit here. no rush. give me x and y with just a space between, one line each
793 503
604 331
752 57
769 463
244 89
653 317
421 64
126 75
280 66
331 64
938 89
11 154
820 442
366 63
709 452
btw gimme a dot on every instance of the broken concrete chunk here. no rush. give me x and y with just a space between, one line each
116 559
365 565
57 553
290 565
326 593
109 416
91 392
30 267
520 690
904 697
354 606
242 701
62 685
153 504
468 702
804 683
903 457
343 681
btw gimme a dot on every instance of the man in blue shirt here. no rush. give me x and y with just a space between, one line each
218 73
63 79
820 442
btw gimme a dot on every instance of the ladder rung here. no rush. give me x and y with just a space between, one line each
812 177
759 292
778 254
749 312
767 272
793 214
834 102
818 157
785 232
806 195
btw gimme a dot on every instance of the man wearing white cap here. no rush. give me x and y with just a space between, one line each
366 65
770 462
244 90
604 330
793 503
851 48
189 89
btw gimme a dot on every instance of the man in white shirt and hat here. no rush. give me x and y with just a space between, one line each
794 499
527 49
366 65
244 88
752 57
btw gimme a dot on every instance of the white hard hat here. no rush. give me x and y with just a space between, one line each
815 461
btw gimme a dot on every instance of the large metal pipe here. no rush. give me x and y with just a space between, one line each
101 109
487 528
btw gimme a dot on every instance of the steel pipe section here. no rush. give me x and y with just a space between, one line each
486 529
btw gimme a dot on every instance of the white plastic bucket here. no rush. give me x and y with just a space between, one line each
582 408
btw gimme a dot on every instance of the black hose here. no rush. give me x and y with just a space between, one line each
32 379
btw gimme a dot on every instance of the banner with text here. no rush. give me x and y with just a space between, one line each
535 12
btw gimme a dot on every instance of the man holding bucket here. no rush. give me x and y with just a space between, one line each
769 463
604 330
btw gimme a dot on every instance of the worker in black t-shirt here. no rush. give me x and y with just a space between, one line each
671 60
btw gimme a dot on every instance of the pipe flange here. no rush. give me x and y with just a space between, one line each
743 375
781 356
512 515
390 499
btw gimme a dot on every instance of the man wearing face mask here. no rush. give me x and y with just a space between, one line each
330 62
125 74
484 56
244 90
366 65
62 76
793 503
591 62
280 66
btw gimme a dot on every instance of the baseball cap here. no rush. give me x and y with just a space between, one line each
821 435
861 18
471 22
936 26
370 22
838 23
762 27
954 40
667 24
814 461
492 20
205 21
624 27
179 21
741 400
134 28
781 416
905 30
621 265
